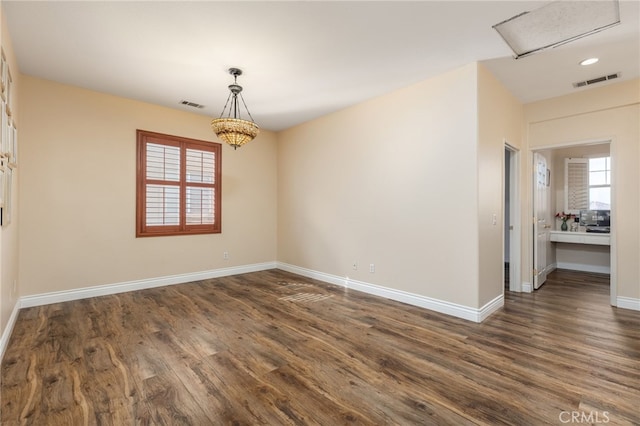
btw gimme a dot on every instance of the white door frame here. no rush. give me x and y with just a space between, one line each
515 255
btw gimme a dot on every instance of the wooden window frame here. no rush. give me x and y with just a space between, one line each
142 229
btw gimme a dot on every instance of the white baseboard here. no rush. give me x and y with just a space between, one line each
8 329
628 303
309 273
584 268
103 290
453 309
490 307
550 268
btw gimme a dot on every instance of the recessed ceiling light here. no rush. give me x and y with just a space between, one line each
589 61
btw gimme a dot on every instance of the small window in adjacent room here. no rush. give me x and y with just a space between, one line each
600 183
178 186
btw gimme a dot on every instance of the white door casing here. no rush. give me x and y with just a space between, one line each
513 231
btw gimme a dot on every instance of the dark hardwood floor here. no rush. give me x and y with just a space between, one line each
275 348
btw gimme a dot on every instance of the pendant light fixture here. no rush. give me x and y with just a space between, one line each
235 130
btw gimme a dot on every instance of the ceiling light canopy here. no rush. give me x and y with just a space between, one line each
557 23
235 130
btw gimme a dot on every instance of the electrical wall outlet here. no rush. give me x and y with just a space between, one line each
372 268
355 266
225 255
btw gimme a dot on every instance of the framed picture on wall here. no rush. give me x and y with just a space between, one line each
14 143
6 208
4 130
3 73
2 171
548 177
12 153
7 89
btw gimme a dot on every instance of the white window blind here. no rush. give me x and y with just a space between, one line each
200 200
200 166
163 199
163 205
576 184
200 206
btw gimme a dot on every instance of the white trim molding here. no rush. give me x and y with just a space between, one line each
444 307
8 329
628 303
103 290
309 273
527 287
584 268
490 307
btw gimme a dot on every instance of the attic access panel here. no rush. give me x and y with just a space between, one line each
557 23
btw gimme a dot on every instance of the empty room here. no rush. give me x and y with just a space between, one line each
319 212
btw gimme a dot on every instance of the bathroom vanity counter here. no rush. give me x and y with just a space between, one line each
580 238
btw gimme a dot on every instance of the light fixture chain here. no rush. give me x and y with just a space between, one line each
245 107
225 107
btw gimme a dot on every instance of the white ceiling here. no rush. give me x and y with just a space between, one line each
301 59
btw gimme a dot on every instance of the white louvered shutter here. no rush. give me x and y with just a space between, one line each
576 184
163 194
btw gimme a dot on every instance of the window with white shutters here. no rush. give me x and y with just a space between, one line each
178 185
587 184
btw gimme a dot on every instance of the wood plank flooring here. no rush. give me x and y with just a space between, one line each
273 348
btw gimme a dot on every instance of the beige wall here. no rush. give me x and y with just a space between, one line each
608 113
499 121
391 181
77 204
592 256
9 282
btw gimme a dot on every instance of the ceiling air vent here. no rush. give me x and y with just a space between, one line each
191 104
596 80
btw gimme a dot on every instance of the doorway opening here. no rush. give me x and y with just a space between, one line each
511 214
577 247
